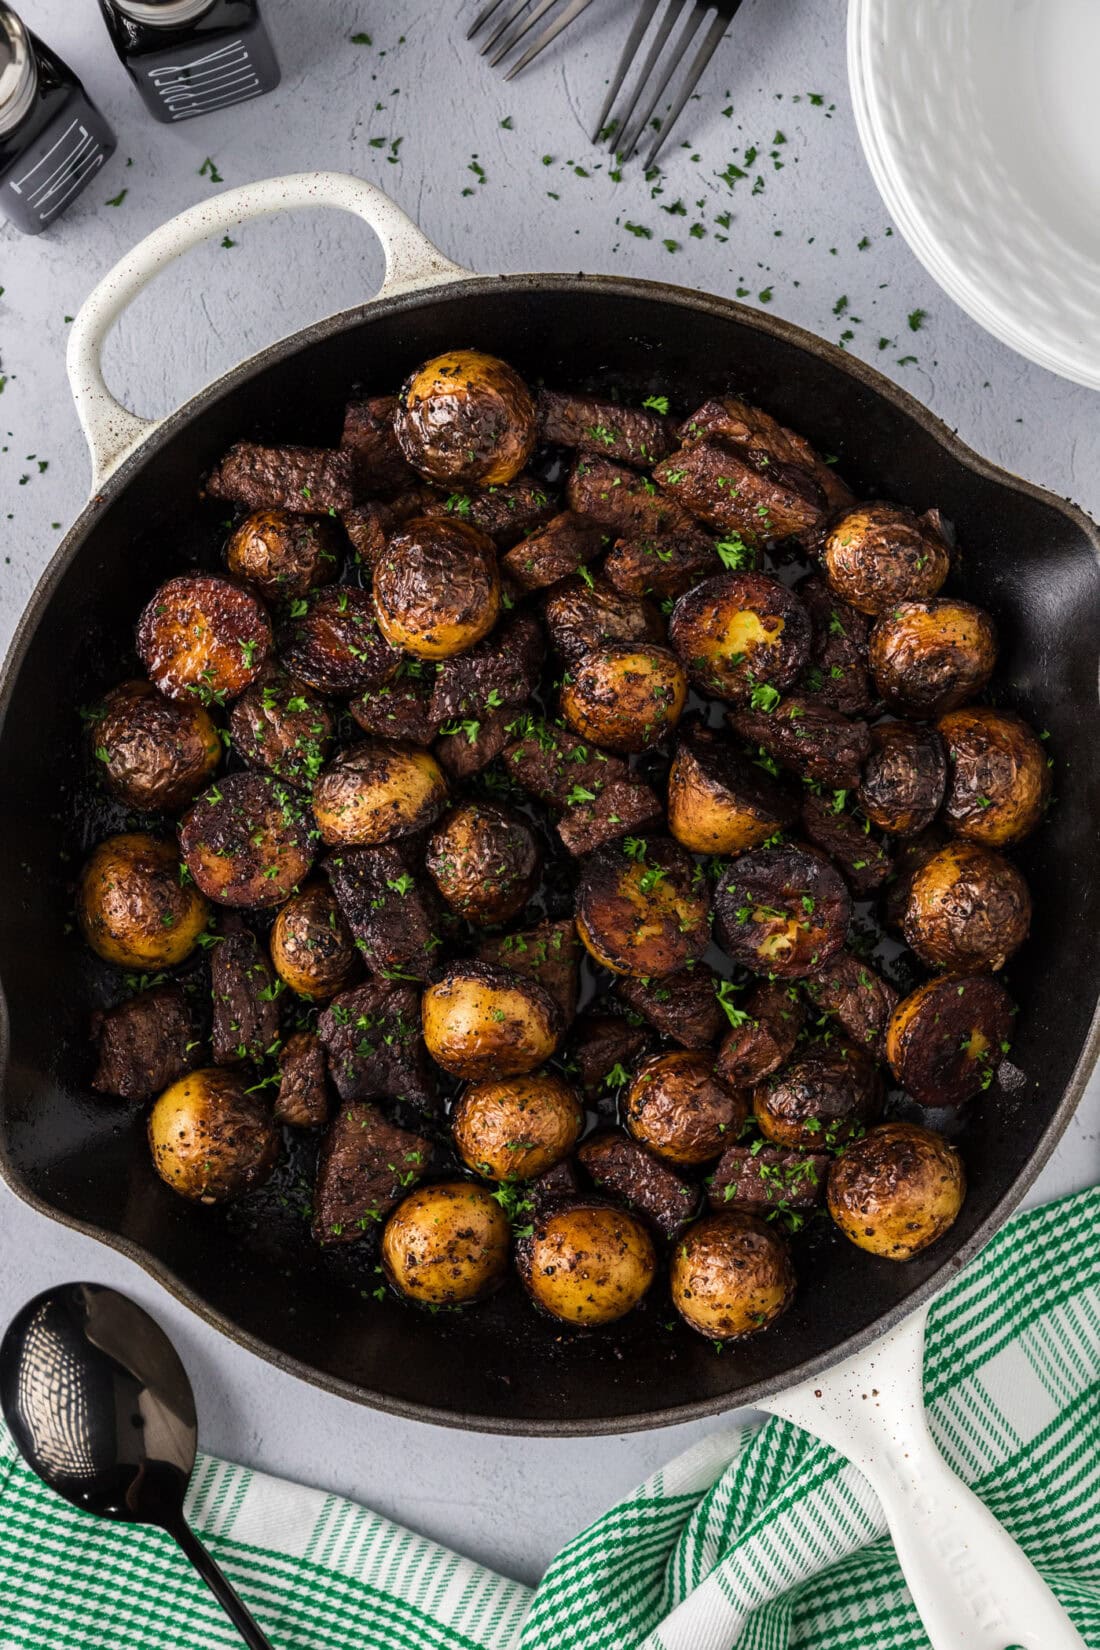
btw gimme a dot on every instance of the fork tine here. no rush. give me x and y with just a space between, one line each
572 10
525 28
513 14
698 63
675 58
482 18
675 7
637 31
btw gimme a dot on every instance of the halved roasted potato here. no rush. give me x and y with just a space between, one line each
514 1128
377 791
333 643
311 944
156 752
947 1038
466 418
485 861
437 587
134 905
826 1095
642 906
587 1262
718 801
626 696
677 1106
284 554
968 909
782 911
929 656
731 1276
740 635
877 555
446 1243
211 1140
999 782
903 778
897 1190
481 1020
248 840
203 637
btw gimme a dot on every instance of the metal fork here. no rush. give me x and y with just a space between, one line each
662 60
506 36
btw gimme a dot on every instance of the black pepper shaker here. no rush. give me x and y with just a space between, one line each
190 57
53 140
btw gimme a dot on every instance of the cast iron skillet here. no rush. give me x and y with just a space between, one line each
253 1271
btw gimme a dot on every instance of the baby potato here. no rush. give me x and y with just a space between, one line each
437 587
677 1107
156 753
782 911
211 1140
482 1020
897 1190
284 554
946 1039
515 1128
282 726
466 419
825 1095
739 631
624 697
446 1243
485 861
203 637
642 907
587 1262
731 1276
377 791
968 909
311 946
720 803
247 841
335 646
929 656
999 779
133 908
903 778
877 555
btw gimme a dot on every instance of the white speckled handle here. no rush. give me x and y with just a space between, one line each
973 1587
113 431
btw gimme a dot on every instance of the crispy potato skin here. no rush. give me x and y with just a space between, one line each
825 1095
311 946
587 1263
782 911
903 778
485 861
515 1128
132 907
446 1243
284 554
968 909
897 1190
466 418
946 1039
678 1108
437 587
999 778
878 555
155 752
581 617
247 841
720 803
625 697
643 915
282 726
336 646
377 791
210 1139
482 1020
203 637
731 1276
738 630
930 656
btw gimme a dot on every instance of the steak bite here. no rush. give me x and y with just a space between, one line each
400 710
623 806
607 1045
500 671
466 745
808 738
550 1188
144 1044
302 1100
741 493
863 860
506 514
762 1034
554 551
751 427
683 1006
627 505
549 954
380 465
390 908
622 1167
758 1179
858 998
837 672
368 526
557 767
311 480
244 991
582 614
366 1165
282 726
663 568
630 435
372 1038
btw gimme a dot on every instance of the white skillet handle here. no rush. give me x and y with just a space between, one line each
972 1585
111 429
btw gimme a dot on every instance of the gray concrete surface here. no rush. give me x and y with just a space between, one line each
815 237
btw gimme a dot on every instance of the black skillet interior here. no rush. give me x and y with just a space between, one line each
253 1271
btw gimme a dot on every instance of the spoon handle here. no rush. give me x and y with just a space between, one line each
218 1585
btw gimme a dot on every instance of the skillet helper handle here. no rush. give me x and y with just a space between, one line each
972 1585
112 431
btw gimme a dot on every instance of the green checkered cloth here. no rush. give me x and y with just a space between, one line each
760 1539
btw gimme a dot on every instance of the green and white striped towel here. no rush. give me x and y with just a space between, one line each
761 1539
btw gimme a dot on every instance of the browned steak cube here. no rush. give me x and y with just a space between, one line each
632 435
620 1166
557 767
551 1187
623 806
507 514
856 996
554 551
145 1044
766 1031
747 426
661 567
368 526
808 738
365 1167
244 989
625 504
581 615
683 1006
501 670
468 744
302 1100
400 710
863 860
372 1037
606 1046
837 672
311 479
756 1179
742 494
549 954
369 434
389 907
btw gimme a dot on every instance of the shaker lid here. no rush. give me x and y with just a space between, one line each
165 14
18 70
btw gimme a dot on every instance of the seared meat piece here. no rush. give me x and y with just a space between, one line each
661 567
747 426
466 745
281 725
556 767
856 996
145 1044
388 905
582 616
374 1045
864 860
549 954
682 1006
759 1044
507 514
369 526
622 806
554 551
312 480
625 504
742 493
401 710
501 670
622 1167
757 1179
365 1167
808 738
632 435
369 434
551 1187
605 1042
302 1100
335 645
837 672
246 1017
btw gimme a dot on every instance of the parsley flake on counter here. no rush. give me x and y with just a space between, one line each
917 318
209 170
117 200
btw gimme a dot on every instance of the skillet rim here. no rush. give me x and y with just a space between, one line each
74 541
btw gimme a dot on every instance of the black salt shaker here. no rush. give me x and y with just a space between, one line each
53 140
190 57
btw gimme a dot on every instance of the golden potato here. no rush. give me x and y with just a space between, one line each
446 1243
284 554
134 909
624 697
826 1094
946 1039
514 1128
311 946
999 782
248 840
929 656
156 753
485 861
211 1140
877 555
782 911
482 1020
739 632
897 1190
677 1106
377 791
731 1276
203 637
466 418
437 587
587 1262
719 802
968 909
642 907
